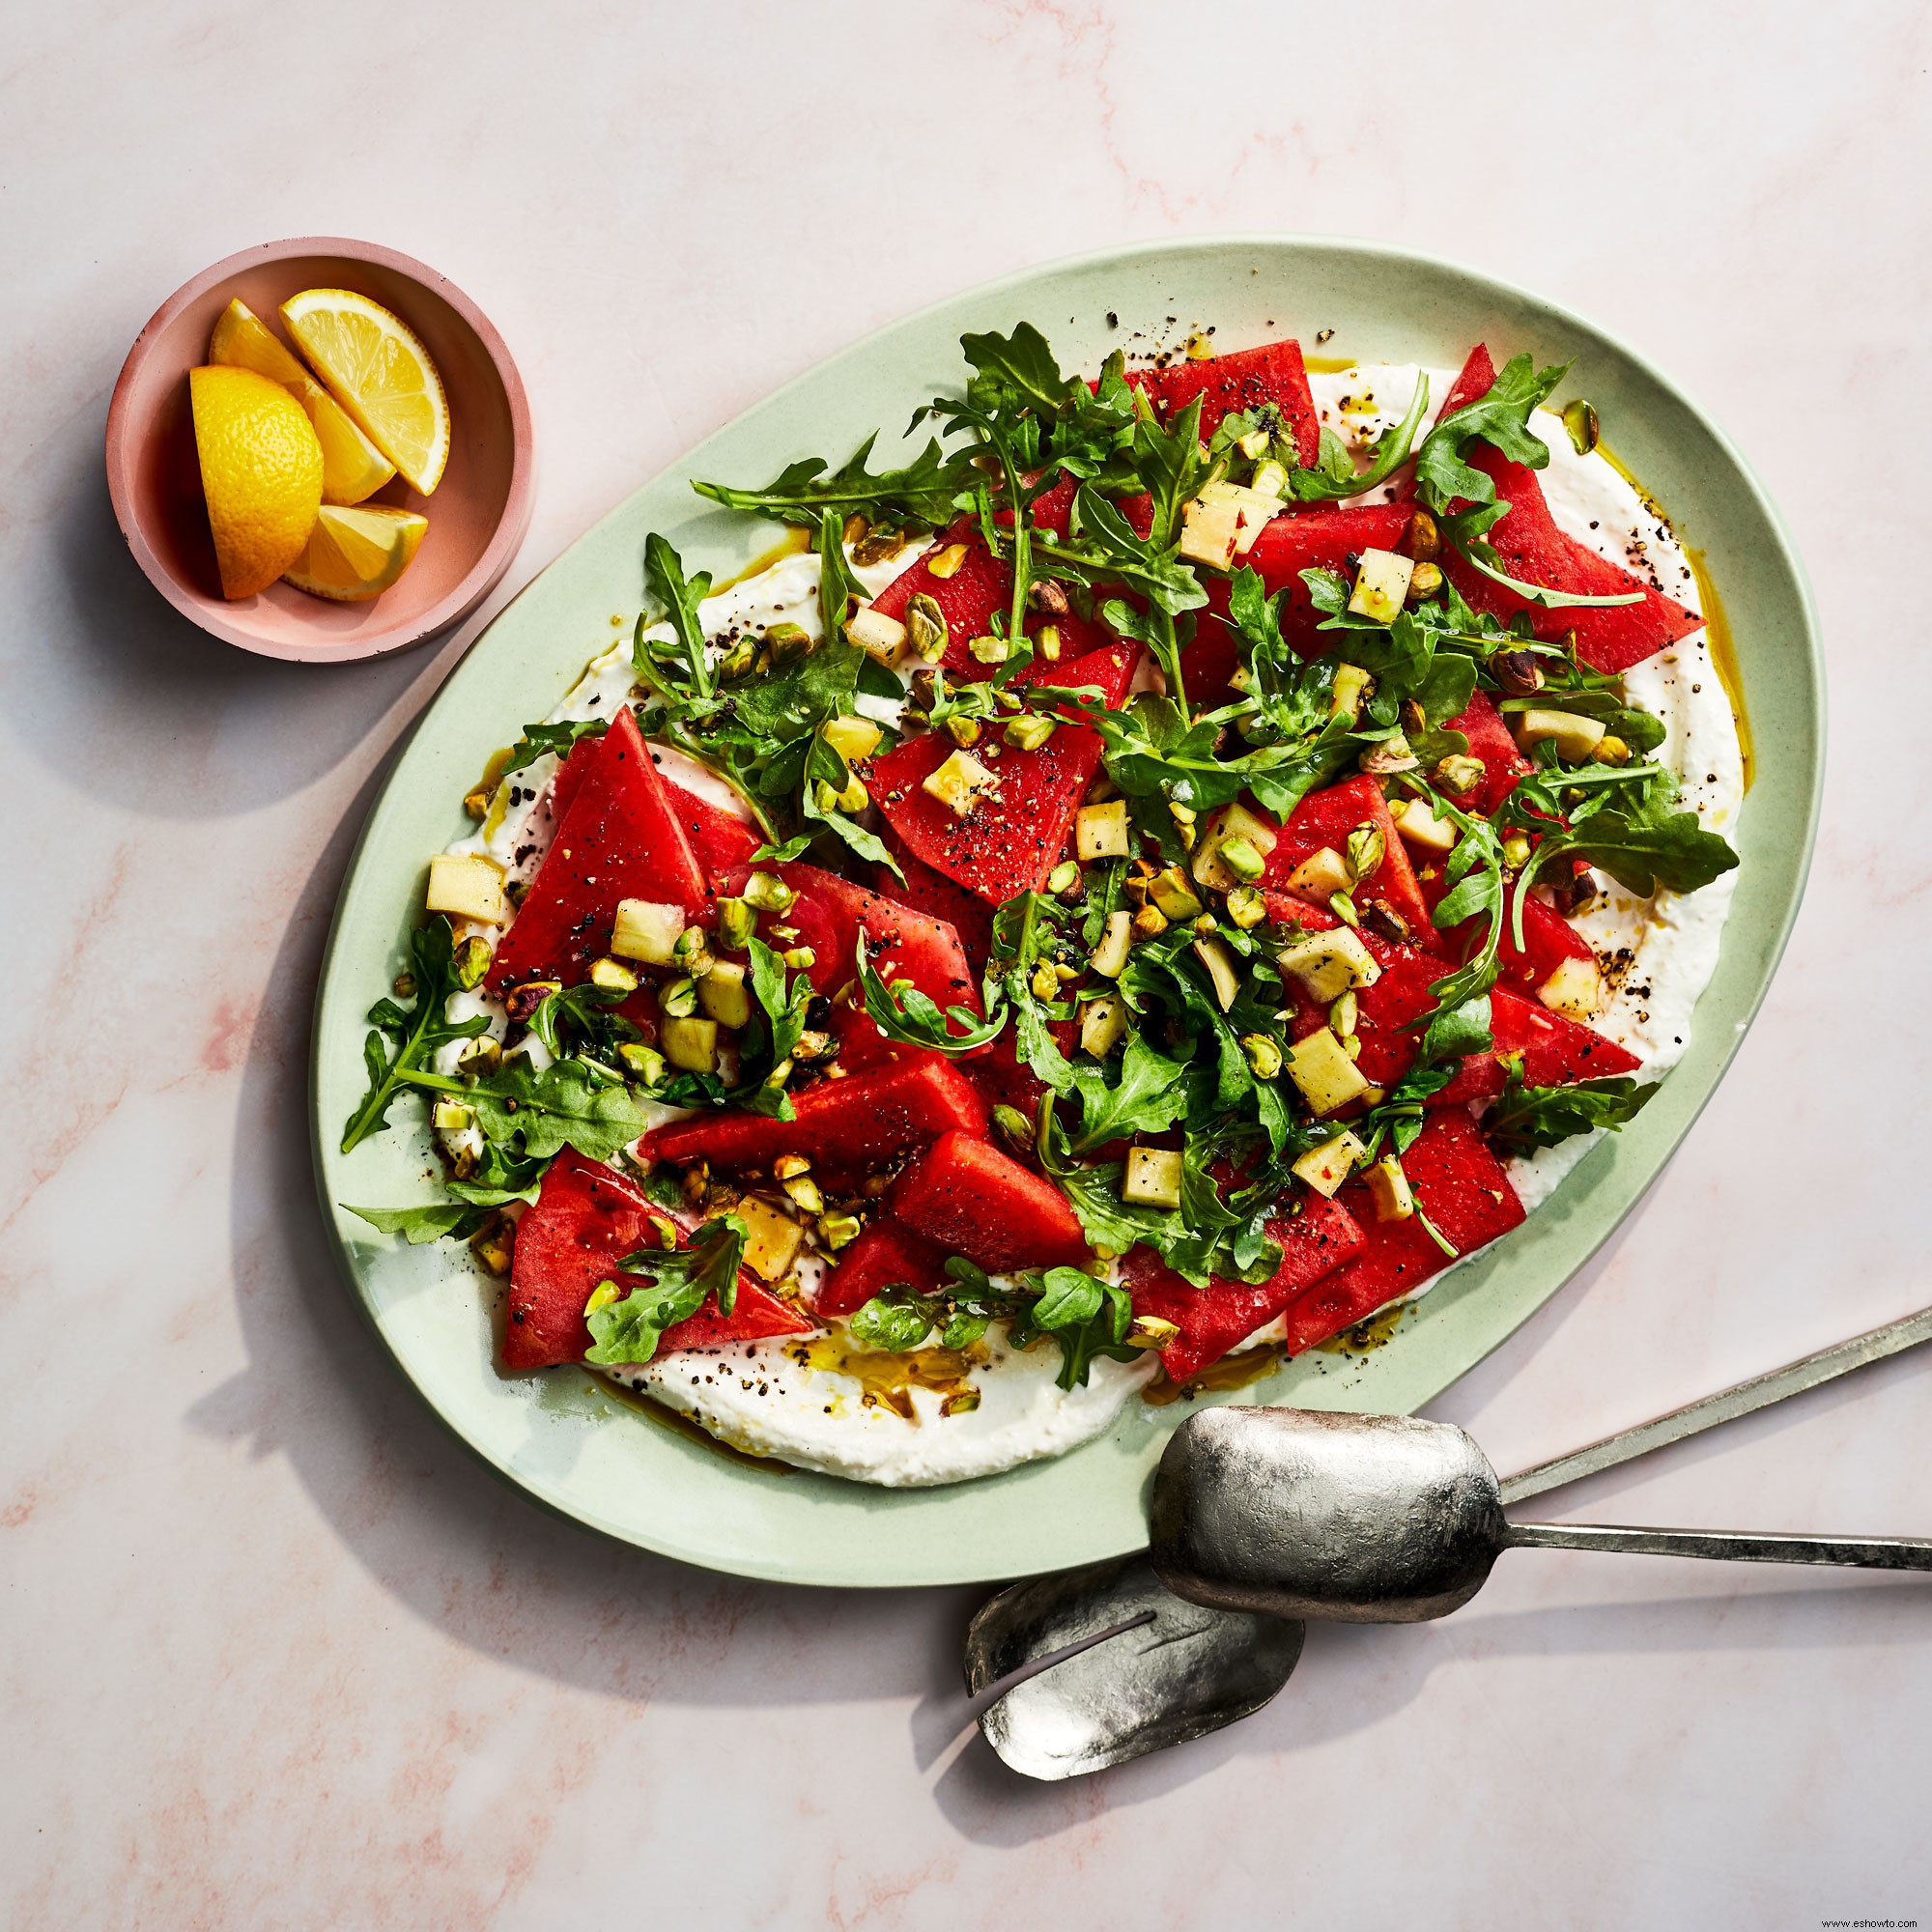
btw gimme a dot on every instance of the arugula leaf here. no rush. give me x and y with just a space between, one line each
896 1327
680 596
838 587
1500 415
791 704
572 1103
1525 1118
1484 556
420 1225
913 1018
582 1014
926 491
781 855
1334 476
1147 1097
537 739
401 1043
1638 838
1085 1316
1016 372
673 1287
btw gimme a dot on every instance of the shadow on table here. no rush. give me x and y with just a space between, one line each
147 690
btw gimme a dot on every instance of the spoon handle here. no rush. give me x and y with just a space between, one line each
1731 1546
1759 1392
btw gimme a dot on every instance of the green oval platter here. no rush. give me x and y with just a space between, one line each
561 1436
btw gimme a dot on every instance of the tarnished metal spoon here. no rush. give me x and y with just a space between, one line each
1115 1665
1387 1520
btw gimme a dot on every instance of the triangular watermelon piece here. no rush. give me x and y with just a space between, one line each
1215 1319
1458 1184
1272 376
1011 841
1326 818
1535 549
584 1220
966 1196
620 840
886 1255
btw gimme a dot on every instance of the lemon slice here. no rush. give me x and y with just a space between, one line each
352 466
356 552
261 473
377 368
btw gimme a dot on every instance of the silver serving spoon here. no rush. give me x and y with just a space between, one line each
1107 1664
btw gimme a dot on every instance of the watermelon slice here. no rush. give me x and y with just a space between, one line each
888 1254
1549 939
1552 1050
980 586
1534 549
1272 376
1326 818
971 1200
1461 1187
1010 841
1215 1319
584 1220
939 898
844 1127
620 840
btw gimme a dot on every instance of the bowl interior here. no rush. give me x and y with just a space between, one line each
159 496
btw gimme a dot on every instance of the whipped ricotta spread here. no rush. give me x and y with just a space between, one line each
818 1402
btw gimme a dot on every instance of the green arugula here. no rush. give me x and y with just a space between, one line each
1500 416
668 1288
403 1041
1525 1118
1334 477
538 739
928 491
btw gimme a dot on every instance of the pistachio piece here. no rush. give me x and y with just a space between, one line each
1422 540
926 627
1391 755
1048 596
1246 908
1064 882
1424 581
1263 1055
1518 672
1013 1124
1458 773
769 893
472 961
1367 849
946 563
1030 730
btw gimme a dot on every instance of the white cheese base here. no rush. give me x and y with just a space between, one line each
783 1399
768 1399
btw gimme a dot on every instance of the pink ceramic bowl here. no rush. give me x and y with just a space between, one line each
477 517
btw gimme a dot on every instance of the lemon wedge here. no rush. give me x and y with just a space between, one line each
356 552
377 369
352 466
261 473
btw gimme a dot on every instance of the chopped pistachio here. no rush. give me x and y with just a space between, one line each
963 731
802 1191
1344 909
1045 980
1046 641
471 960
1246 907
1173 894
1150 923
483 1055
1030 730
693 951
1152 1331
737 921
1344 1014
613 977
945 563
1518 672
494 1245
987 649
926 627
1458 773
451 1117
769 893
788 1166
1367 849
679 997
1233 825
787 642
1611 751
1263 1055
840 1228
1422 539
1390 754
646 1063
602 1296
1241 859
1013 1124
1516 849
800 959
1424 581
1063 881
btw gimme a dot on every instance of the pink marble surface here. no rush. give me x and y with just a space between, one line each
275 1653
